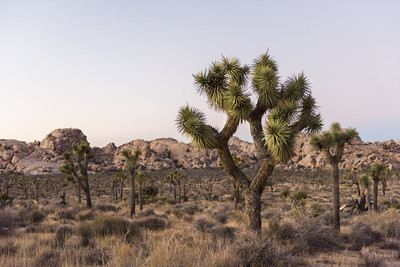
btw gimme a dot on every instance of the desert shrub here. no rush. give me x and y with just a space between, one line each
85 232
390 227
153 223
178 213
48 258
150 191
146 213
255 251
106 207
62 233
8 249
389 244
36 216
326 218
285 193
202 223
313 236
86 215
280 230
8 221
110 225
316 210
371 259
95 256
220 216
362 235
66 214
299 198
171 201
191 209
222 231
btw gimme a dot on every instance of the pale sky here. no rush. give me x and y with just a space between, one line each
120 70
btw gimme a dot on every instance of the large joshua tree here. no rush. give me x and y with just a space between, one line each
130 166
79 171
332 143
286 108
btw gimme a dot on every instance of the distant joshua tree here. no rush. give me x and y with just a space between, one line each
379 171
351 176
140 180
332 143
289 107
130 166
78 170
365 181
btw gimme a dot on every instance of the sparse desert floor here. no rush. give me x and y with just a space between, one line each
206 230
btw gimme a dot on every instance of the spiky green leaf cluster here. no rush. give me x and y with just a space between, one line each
191 122
335 137
365 180
238 102
141 178
265 81
280 140
379 170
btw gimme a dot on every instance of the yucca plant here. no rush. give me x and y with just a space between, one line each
332 143
79 171
379 171
130 166
289 107
365 181
140 179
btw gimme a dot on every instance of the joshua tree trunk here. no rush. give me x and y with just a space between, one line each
140 198
87 191
384 184
79 194
368 200
376 181
121 191
132 176
175 191
358 189
184 193
253 209
179 192
335 195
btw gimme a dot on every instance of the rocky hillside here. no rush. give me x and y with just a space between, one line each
46 156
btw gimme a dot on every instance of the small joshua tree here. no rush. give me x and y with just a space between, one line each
140 179
379 171
289 107
365 181
24 184
130 166
332 143
78 170
351 176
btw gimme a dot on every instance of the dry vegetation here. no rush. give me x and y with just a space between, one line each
206 230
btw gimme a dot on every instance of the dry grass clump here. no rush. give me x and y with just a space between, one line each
106 208
48 258
305 235
94 256
87 215
371 259
203 223
108 226
153 223
253 250
362 235
62 233
146 213
8 221
67 214
8 248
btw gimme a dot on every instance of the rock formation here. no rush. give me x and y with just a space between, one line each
45 156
